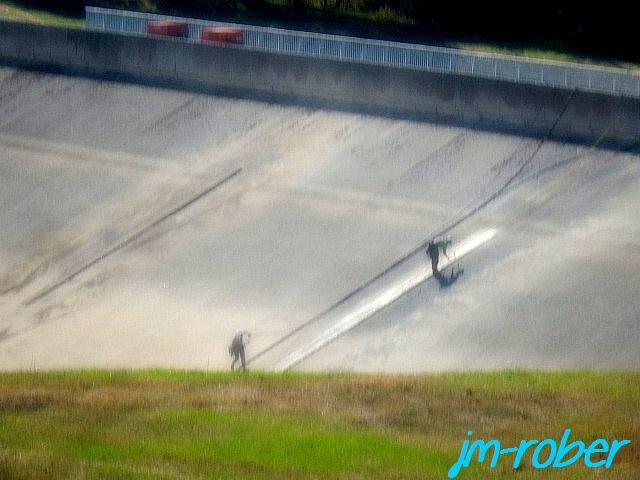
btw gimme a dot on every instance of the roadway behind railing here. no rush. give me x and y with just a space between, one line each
612 81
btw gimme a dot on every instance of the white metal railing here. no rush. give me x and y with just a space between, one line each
615 81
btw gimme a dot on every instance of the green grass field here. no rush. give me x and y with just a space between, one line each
161 424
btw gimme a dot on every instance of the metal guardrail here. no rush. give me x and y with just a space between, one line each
612 81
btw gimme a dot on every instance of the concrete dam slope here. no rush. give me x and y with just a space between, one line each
143 226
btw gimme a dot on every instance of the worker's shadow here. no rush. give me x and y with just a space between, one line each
447 281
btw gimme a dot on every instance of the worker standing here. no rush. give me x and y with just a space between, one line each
237 349
433 250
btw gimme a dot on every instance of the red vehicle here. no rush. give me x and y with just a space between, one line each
168 28
222 35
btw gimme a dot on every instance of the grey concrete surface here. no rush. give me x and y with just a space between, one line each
461 99
325 201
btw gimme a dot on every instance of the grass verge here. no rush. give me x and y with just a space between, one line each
163 424
16 11
543 53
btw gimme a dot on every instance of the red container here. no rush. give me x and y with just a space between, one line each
222 35
168 28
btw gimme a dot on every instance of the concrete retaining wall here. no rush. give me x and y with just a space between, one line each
587 117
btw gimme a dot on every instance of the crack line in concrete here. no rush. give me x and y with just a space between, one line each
130 239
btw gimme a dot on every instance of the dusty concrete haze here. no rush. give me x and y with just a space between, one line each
324 202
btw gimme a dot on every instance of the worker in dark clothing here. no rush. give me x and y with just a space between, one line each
433 250
236 350
434 255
